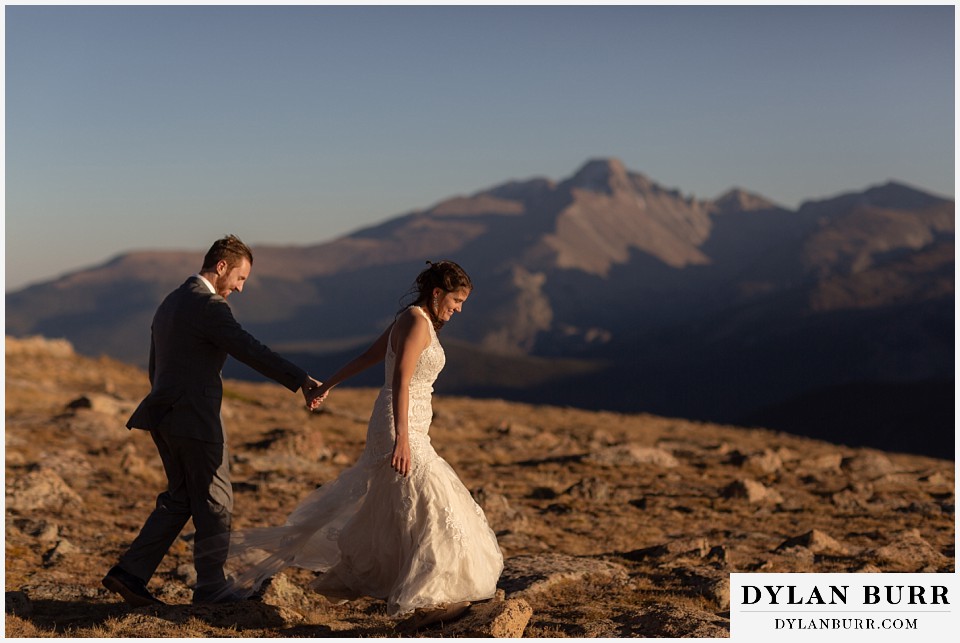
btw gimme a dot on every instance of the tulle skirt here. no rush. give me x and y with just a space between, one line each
414 541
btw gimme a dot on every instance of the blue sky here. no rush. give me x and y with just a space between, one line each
168 126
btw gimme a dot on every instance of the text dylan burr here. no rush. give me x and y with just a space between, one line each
837 595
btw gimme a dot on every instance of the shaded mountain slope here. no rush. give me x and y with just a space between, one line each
710 309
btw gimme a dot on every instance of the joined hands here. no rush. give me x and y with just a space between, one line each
314 393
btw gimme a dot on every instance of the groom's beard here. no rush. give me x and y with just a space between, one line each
220 285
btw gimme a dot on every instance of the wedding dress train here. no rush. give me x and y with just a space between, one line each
418 541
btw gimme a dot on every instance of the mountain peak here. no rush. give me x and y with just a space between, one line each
893 194
740 200
601 175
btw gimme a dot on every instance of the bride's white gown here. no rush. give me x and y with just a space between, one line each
415 541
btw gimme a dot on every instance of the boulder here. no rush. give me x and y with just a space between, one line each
105 404
595 489
41 490
708 582
682 547
603 438
517 430
869 464
937 479
43 530
187 573
307 443
820 463
631 455
529 574
786 454
850 499
37 346
765 462
500 514
752 491
496 618
791 560
133 464
816 541
282 593
70 464
910 552
63 549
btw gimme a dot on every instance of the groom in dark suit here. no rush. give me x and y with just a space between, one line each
193 331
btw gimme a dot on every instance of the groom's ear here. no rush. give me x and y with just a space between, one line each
222 267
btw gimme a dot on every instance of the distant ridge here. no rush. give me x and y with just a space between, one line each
708 309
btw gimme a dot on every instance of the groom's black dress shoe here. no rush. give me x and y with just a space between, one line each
132 589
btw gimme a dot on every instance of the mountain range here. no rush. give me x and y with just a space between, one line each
609 291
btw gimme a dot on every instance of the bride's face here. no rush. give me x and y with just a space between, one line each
449 303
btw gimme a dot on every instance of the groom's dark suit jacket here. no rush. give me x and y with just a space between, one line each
193 331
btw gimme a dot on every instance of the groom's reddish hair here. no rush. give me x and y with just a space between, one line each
229 249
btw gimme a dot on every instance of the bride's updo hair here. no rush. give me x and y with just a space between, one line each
445 275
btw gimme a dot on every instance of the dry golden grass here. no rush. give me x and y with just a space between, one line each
526 464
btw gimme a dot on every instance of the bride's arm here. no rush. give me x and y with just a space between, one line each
413 336
374 354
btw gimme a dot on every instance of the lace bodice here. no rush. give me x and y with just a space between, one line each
429 365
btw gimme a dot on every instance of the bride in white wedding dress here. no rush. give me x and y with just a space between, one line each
398 525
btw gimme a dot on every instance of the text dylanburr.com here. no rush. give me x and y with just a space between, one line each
844 607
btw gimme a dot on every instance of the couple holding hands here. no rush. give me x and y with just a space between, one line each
398 525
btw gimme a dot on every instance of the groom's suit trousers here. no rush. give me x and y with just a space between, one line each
198 486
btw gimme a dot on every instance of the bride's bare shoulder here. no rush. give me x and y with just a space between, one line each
414 315
412 321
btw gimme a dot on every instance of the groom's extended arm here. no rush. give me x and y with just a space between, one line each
224 331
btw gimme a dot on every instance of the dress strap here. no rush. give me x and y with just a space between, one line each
421 311
433 331
393 327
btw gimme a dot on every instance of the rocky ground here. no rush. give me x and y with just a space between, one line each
610 524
